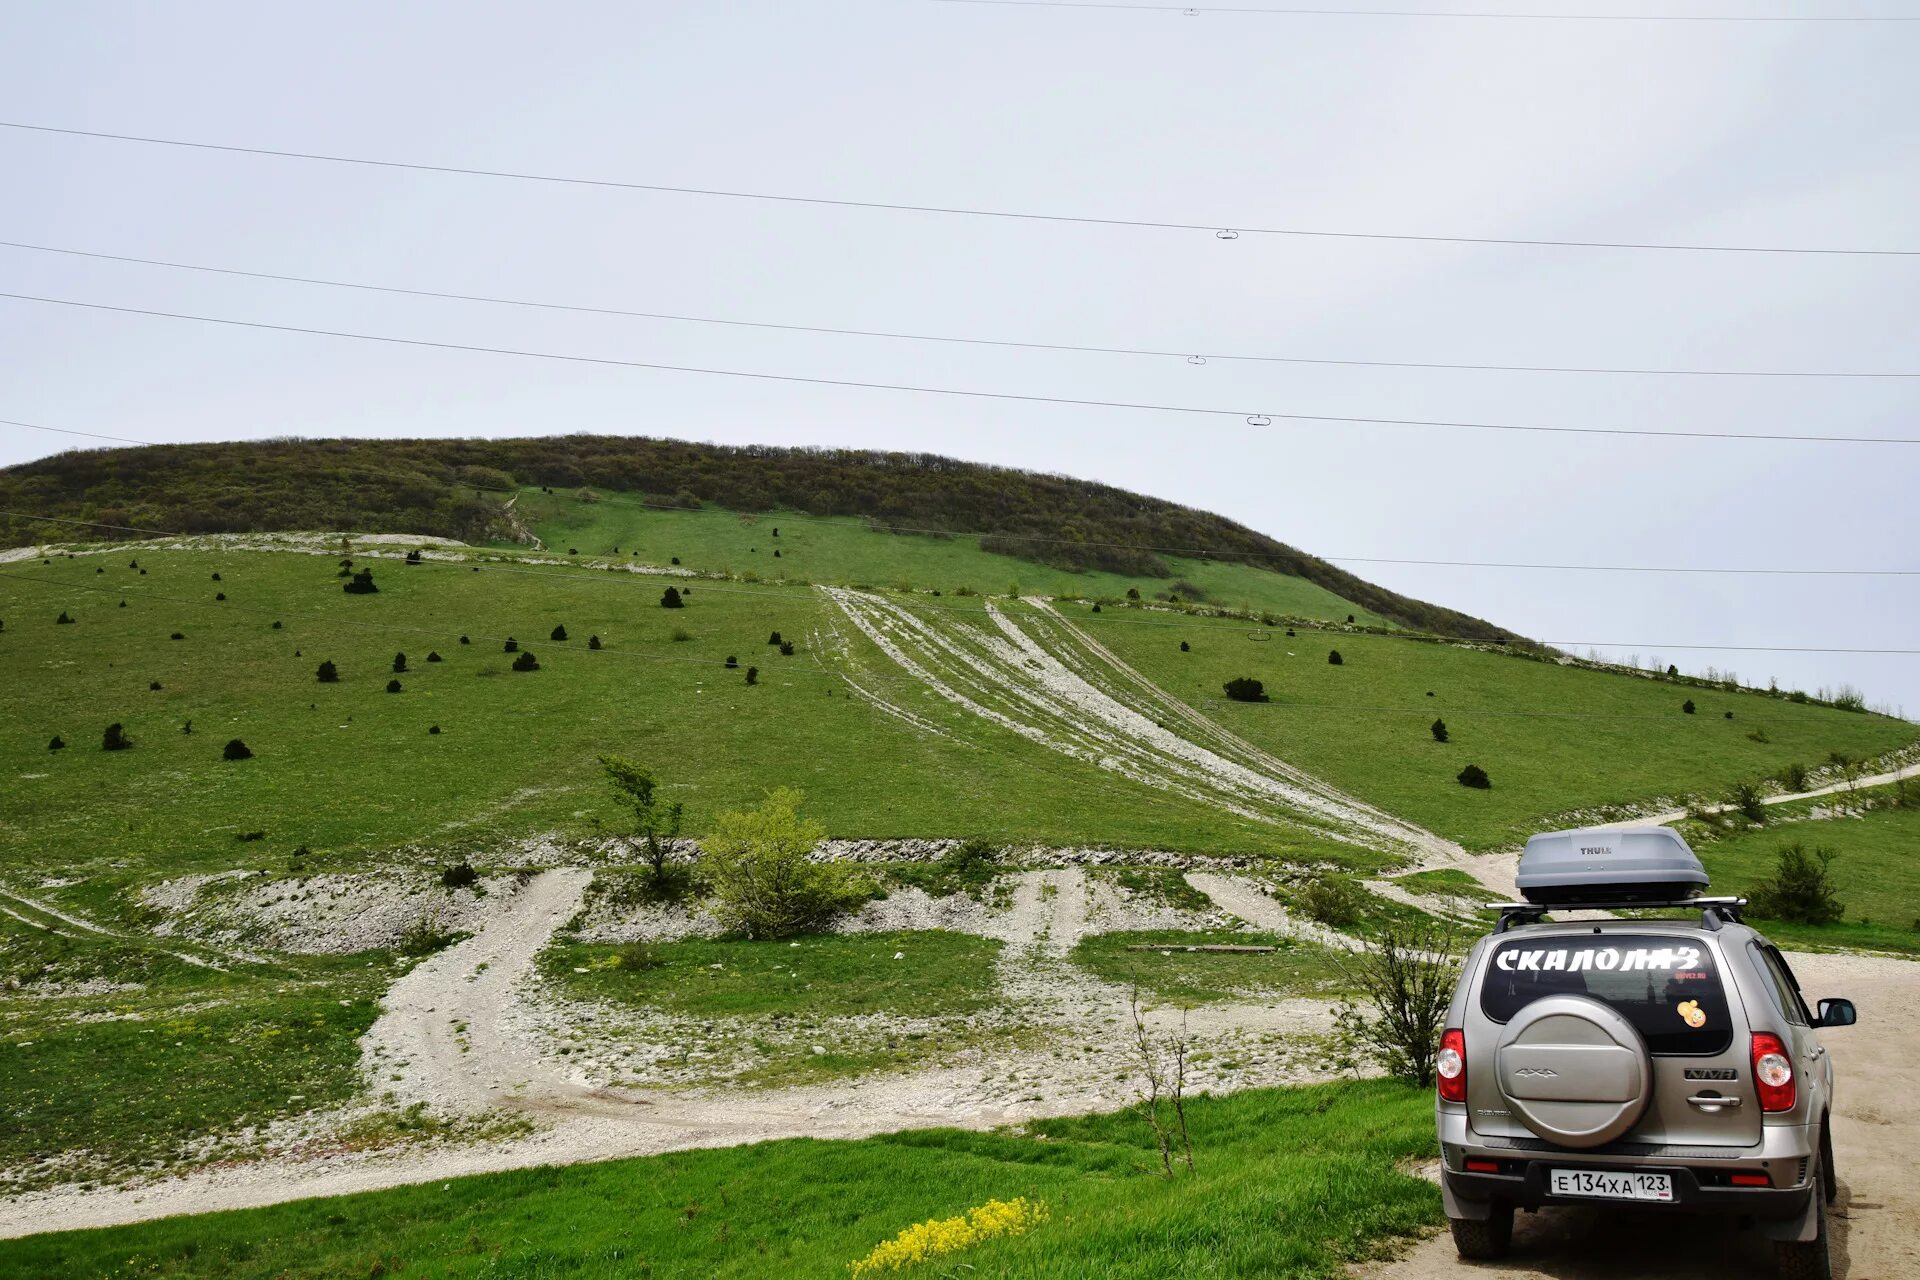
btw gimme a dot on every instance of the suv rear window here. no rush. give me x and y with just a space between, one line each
1667 987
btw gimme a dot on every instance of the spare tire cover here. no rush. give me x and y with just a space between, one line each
1574 1071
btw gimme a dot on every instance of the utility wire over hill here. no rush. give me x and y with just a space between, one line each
1192 355
1223 229
1254 418
595 574
878 525
1300 12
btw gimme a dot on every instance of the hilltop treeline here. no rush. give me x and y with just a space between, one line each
453 489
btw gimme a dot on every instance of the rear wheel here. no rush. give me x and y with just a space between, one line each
1484 1239
1829 1180
1807 1259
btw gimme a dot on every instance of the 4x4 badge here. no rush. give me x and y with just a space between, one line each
1536 1071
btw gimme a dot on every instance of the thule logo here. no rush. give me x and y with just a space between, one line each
1596 850
1536 1071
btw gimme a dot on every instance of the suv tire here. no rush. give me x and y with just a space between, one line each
1807 1259
1486 1239
1829 1180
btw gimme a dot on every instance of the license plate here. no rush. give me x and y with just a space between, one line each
1600 1185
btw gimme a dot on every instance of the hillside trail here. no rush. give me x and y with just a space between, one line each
38 915
1858 784
1875 1229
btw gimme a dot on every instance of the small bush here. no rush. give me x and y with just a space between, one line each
399 664
1349 617
425 937
1405 983
1334 659
115 738
559 633
219 595
593 642
636 957
1334 901
64 620
1747 799
413 557
464 640
276 624
1801 890
434 656
178 635
680 635
1687 706
362 584
57 743
670 598
786 648
327 673
1246 689
511 646
1474 776
1672 670
459 875
236 750
774 638
1096 608
1795 776
753 675
732 662
526 661
393 686
1439 730
1133 593
433 730
673 560
762 882
1185 647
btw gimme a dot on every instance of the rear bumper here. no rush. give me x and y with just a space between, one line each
1527 1188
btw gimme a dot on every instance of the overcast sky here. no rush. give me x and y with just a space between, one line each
1728 133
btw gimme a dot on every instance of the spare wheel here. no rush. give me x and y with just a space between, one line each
1574 1071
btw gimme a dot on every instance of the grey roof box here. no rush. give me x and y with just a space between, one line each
1619 865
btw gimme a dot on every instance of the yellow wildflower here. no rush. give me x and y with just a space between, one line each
938 1236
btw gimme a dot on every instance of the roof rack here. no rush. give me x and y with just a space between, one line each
1714 912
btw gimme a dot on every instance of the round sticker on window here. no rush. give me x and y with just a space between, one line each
1691 1012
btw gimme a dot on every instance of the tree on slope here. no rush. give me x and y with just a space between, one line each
655 821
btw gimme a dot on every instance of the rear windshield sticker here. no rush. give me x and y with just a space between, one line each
1675 960
1692 1013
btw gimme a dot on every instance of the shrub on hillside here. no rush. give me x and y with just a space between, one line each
399 664
558 633
593 642
1185 647
464 640
1474 776
413 557
393 686
1334 901
774 638
526 661
362 584
1687 706
1334 659
1405 983
153 686
236 750
115 738
786 648
670 598
1439 730
1801 889
57 743
756 866
65 619
1795 776
1747 799
732 662
433 655
511 646
178 635
1246 689
459 875
219 595
327 673
216 577
433 730
656 821
753 675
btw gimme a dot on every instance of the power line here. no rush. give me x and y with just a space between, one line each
1256 419
1223 229
1196 10
588 573
1214 553
1191 355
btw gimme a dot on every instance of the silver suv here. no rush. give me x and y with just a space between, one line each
1659 1061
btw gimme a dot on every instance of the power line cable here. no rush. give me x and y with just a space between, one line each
1223 229
597 574
1224 554
1190 355
1196 10
1256 419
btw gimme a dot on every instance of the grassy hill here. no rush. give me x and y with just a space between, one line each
458 488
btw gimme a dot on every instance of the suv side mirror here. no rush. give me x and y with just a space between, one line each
1836 1013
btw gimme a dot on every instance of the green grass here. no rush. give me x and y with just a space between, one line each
1554 739
194 1056
1176 976
1165 886
824 976
1288 1183
848 551
1444 883
347 768
1875 872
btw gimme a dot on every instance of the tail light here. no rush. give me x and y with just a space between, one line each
1450 1066
1772 1072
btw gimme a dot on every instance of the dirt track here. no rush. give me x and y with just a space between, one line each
1876 1229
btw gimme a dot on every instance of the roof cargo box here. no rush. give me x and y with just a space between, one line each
1619 865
